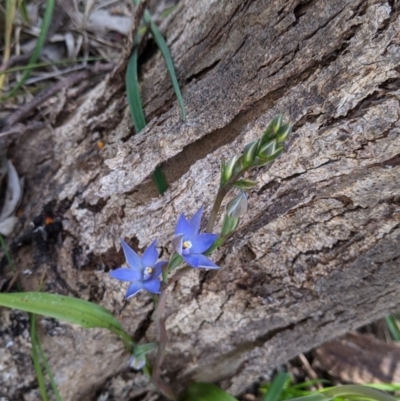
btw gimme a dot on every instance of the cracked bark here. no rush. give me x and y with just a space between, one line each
316 255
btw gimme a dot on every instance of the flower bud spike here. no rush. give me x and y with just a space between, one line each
283 132
245 184
228 170
267 150
272 129
249 153
237 207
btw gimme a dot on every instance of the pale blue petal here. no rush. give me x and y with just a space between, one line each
133 289
125 274
152 285
150 255
194 223
132 258
182 226
177 243
197 260
201 242
157 269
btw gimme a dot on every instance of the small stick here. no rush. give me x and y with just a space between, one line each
72 79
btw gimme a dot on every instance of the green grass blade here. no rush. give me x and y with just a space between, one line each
35 359
358 391
23 11
393 327
9 19
48 64
38 47
48 370
73 310
205 392
162 45
133 92
276 387
159 180
136 108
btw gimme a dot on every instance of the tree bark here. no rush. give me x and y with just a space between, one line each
316 255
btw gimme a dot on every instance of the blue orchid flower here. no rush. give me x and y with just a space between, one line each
189 244
142 272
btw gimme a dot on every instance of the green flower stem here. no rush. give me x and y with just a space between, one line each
222 192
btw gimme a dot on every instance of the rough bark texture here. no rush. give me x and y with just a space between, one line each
316 255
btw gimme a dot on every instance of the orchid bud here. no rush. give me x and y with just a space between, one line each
249 153
245 184
237 207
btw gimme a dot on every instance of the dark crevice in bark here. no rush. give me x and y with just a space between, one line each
202 73
143 327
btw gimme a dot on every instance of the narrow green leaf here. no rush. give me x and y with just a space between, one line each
136 109
205 392
38 47
72 310
35 360
9 19
23 11
143 349
48 370
174 262
162 45
346 392
159 180
133 92
276 387
393 327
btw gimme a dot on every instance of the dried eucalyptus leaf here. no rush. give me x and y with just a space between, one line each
7 225
13 193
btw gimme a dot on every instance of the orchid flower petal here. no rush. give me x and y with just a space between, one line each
198 260
152 286
132 258
201 242
125 274
177 243
157 269
133 289
182 226
150 255
194 223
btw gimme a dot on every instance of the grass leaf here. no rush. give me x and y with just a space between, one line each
48 370
38 47
133 92
393 327
162 45
36 361
73 310
276 387
136 108
9 19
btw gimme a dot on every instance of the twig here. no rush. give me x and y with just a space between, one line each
26 109
310 371
13 60
21 128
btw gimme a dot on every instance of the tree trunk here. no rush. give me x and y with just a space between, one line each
316 255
